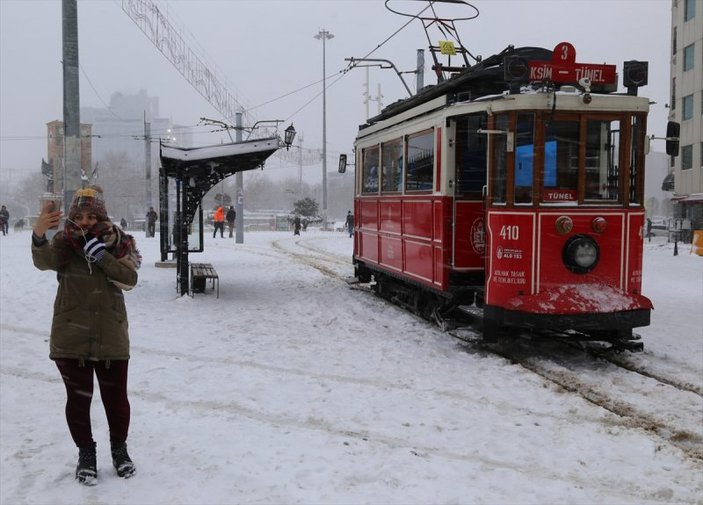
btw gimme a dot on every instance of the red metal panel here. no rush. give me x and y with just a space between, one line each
418 217
510 270
551 269
391 252
469 235
634 251
368 246
419 260
367 213
389 212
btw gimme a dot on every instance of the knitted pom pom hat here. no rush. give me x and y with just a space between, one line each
90 198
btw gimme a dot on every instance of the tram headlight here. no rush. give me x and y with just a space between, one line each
599 224
564 225
580 254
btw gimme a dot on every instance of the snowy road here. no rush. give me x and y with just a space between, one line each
293 388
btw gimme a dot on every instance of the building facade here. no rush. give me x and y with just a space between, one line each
55 151
686 108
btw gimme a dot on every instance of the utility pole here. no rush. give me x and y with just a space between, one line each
420 71
71 102
147 158
300 165
366 94
239 187
324 35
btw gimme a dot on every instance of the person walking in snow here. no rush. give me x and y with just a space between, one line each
231 216
95 261
219 219
296 225
4 220
151 217
350 223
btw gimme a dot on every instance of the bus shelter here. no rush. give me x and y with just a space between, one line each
191 173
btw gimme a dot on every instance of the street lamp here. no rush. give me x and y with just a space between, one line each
324 35
288 136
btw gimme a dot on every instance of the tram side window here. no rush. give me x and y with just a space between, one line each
392 166
420 169
602 158
499 170
561 161
524 157
369 170
471 155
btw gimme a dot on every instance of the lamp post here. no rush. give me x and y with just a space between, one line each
324 35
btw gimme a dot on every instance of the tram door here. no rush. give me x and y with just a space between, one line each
469 205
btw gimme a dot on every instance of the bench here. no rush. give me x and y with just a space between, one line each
199 274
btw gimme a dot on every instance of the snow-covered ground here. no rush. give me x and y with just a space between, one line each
294 388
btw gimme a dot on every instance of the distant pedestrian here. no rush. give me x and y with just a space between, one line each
4 220
349 223
123 223
231 217
649 229
151 218
219 219
296 225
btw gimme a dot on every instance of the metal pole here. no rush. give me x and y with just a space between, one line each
324 35
71 102
420 75
239 187
147 161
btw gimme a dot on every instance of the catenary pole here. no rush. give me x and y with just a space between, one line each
71 102
239 187
324 35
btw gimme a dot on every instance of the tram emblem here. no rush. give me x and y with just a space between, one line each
478 236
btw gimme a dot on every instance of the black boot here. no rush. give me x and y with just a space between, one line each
121 460
87 469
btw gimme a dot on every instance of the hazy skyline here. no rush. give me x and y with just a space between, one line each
265 49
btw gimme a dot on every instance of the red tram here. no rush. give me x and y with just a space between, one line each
514 189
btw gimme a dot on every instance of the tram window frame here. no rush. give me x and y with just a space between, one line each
392 148
411 169
524 176
638 132
471 156
498 174
369 170
561 147
608 187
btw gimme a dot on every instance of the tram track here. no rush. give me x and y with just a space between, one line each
636 396
314 261
630 391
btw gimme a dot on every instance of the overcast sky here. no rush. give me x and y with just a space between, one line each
265 49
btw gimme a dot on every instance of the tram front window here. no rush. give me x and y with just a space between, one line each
561 161
602 158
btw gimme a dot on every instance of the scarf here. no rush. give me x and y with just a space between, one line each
118 243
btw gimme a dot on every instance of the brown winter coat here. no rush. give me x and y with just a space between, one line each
90 318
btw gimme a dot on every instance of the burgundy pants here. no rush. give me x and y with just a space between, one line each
112 380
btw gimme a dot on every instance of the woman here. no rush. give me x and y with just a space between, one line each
94 260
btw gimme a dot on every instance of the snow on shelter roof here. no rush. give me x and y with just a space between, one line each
223 158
